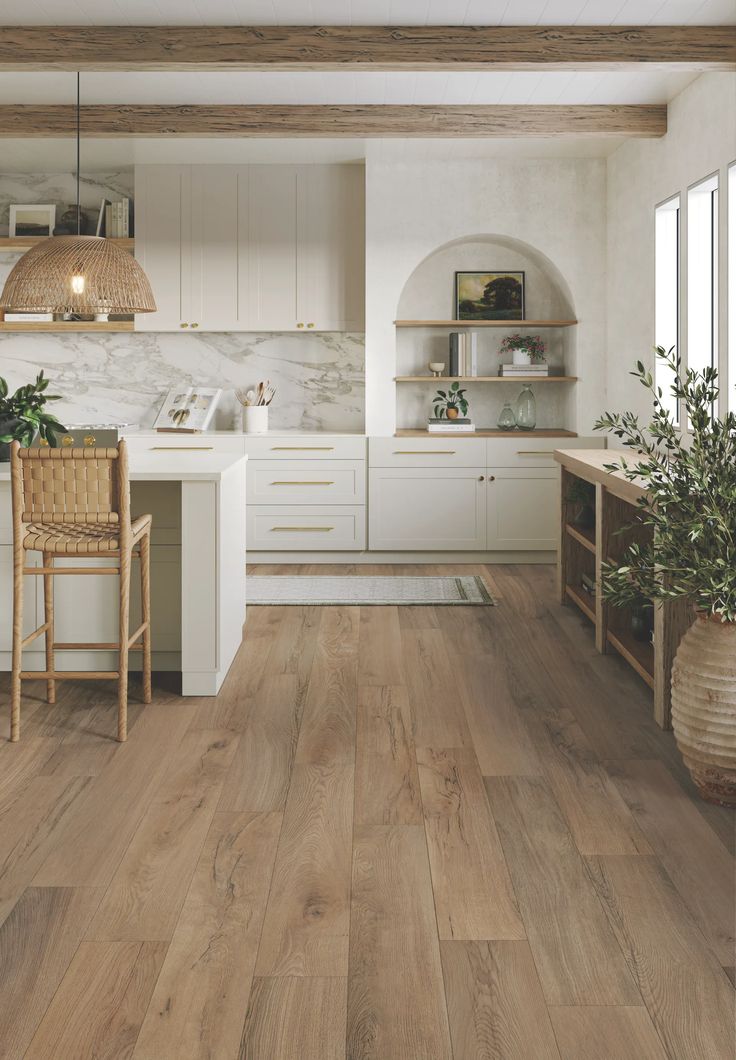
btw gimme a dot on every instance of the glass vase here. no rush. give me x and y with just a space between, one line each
506 419
526 409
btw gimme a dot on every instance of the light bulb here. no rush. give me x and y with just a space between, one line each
78 284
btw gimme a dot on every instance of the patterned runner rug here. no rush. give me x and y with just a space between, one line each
370 589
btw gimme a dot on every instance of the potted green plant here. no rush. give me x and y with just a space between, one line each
690 507
525 349
23 415
448 404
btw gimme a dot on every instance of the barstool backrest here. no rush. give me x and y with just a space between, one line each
70 485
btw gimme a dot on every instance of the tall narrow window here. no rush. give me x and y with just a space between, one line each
702 274
731 404
667 291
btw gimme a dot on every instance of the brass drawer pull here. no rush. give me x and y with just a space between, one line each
301 529
300 448
424 452
183 448
534 452
306 482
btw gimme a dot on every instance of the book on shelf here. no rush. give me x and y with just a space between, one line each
463 353
524 369
460 419
450 427
27 318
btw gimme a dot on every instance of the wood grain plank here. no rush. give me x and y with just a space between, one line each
386 778
201 996
434 694
37 943
606 1033
327 733
574 948
258 778
199 764
472 889
94 836
687 993
305 931
396 1002
20 763
379 653
696 861
495 1003
99 1006
295 1019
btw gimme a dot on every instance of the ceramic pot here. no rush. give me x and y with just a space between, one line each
522 357
704 707
452 414
255 419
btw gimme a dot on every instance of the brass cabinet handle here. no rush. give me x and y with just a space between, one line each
424 452
183 325
481 478
300 325
534 452
183 448
301 529
299 448
296 482
310 325
491 478
195 325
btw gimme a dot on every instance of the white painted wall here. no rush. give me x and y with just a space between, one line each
556 206
701 139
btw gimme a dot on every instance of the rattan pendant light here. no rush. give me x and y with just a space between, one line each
77 274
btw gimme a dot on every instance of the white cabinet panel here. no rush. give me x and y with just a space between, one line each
533 452
304 447
220 247
311 527
163 242
522 508
306 482
427 452
268 257
330 247
419 509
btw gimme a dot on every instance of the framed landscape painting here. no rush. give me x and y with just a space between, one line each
492 295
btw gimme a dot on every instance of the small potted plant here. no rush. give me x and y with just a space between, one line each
690 507
525 349
22 415
582 495
448 404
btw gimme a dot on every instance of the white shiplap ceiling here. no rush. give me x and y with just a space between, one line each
366 12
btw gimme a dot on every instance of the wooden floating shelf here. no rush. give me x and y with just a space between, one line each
60 326
489 432
26 242
586 538
486 378
638 654
578 599
510 325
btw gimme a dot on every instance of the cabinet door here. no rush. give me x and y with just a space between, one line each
163 243
523 508
331 247
427 509
219 247
267 259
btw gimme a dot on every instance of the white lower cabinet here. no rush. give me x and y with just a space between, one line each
522 508
309 528
427 509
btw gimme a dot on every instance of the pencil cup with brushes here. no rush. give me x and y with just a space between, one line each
255 407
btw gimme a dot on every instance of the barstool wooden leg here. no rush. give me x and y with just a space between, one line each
17 660
48 617
125 559
145 551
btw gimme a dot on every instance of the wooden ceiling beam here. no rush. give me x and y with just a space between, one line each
113 121
367 47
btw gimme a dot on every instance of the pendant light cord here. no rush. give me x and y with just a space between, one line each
79 138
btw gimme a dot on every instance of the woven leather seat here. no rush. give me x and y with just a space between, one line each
76 502
79 539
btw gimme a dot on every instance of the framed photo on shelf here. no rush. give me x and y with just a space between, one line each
492 295
30 220
188 409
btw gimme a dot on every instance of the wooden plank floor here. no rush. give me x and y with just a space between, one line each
397 834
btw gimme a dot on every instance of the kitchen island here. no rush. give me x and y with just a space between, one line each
197 499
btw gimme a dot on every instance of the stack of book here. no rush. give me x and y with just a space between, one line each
459 426
117 219
524 369
463 353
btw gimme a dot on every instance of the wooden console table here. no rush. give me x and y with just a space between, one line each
582 551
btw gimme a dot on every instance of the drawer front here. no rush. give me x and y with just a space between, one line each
427 452
312 528
306 482
316 447
532 452
165 442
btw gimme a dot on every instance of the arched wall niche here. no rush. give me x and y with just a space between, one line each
428 294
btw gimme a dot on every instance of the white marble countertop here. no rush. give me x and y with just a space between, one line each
147 432
203 466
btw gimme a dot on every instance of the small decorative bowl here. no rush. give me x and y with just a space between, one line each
436 367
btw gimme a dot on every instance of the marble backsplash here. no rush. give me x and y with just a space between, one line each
61 189
121 377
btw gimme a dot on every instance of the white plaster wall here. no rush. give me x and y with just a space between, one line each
701 139
557 206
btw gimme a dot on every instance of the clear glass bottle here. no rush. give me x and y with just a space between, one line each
506 418
526 409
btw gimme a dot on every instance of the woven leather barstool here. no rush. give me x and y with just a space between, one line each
76 502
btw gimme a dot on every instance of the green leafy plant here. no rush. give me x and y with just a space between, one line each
690 498
533 343
23 415
454 398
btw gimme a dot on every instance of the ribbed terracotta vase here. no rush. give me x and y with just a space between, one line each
704 707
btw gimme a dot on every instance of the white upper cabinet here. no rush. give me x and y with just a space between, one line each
252 248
